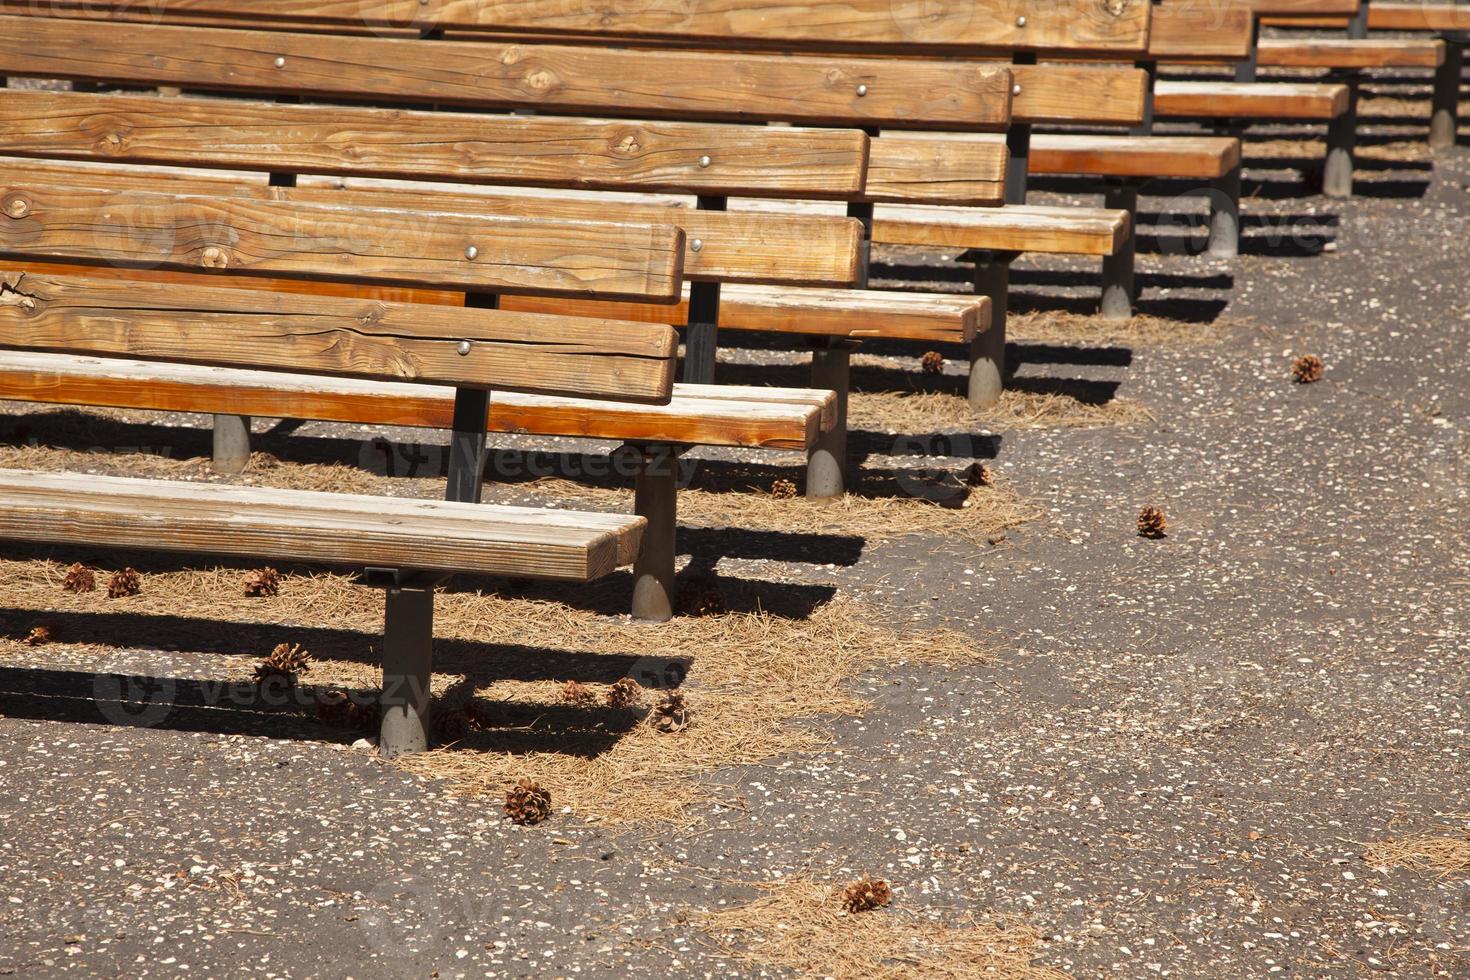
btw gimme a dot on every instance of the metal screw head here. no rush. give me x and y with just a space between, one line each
704 161
862 90
1020 21
1015 90
463 348
472 253
696 246
280 62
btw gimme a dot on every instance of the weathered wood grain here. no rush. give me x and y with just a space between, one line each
321 528
915 170
332 336
1188 30
1083 25
191 132
412 248
1198 157
706 415
1352 52
1259 100
1079 94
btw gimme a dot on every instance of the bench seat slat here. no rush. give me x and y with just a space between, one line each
1270 100
1109 155
707 415
305 526
335 336
1351 53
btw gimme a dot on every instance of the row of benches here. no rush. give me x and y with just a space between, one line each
399 260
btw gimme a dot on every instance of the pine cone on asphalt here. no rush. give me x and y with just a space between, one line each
527 803
579 694
41 634
124 583
262 582
79 578
624 693
866 894
783 489
1308 370
346 711
979 475
933 362
1152 523
671 714
283 665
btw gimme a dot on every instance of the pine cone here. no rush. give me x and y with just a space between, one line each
783 489
527 803
579 694
124 583
866 894
671 714
933 362
625 693
1152 523
79 578
450 724
699 597
41 634
979 475
1307 370
262 582
346 711
285 662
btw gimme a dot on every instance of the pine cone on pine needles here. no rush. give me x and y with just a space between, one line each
866 894
671 714
79 578
41 634
346 711
624 693
124 583
283 665
783 489
699 597
262 583
1307 370
933 362
979 475
579 694
527 803
1152 523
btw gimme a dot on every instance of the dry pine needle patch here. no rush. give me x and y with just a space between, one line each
937 411
1447 855
802 925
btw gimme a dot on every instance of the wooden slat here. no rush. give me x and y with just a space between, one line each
1074 25
1303 8
1186 30
414 248
303 526
563 78
1351 53
1080 94
768 249
914 170
706 415
352 338
1258 100
852 313
1419 16
1106 155
434 145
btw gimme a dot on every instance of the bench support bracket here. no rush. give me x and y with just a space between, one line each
826 467
1224 240
655 499
1117 269
408 658
1337 171
702 332
1444 123
231 443
988 350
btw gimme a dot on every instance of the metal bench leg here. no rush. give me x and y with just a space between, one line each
408 657
231 443
1225 216
1337 172
1117 269
826 467
1445 122
988 350
655 498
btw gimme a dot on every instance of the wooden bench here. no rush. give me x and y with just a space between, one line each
404 546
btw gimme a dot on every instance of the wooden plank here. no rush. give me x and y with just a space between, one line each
1082 94
1107 155
351 338
1351 53
434 145
320 528
413 248
1186 30
768 249
916 170
850 313
485 74
1072 25
1419 16
1257 100
706 415
1303 8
